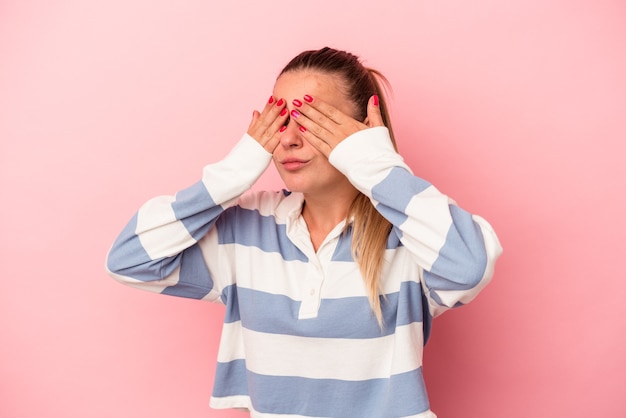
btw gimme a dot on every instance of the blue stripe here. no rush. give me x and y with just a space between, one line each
393 241
196 209
349 317
128 257
278 314
250 228
437 299
393 204
410 303
343 250
229 298
230 379
464 242
399 395
194 279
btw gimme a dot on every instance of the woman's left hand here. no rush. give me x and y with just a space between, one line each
324 126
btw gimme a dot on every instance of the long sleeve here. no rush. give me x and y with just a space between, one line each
456 250
157 249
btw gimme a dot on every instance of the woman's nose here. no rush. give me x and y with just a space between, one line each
291 137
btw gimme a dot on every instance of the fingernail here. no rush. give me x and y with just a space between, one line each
297 103
283 112
302 128
295 113
280 102
271 100
308 98
282 128
376 100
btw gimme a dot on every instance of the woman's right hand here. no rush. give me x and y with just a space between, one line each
265 125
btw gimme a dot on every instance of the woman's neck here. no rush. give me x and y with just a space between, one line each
323 213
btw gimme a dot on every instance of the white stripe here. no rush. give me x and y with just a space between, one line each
218 259
228 402
431 205
243 402
492 248
227 179
160 234
288 277
213 296
231 343
156 286
255 414
334 358
267 202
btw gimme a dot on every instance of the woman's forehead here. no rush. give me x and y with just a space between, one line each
306 80
327 87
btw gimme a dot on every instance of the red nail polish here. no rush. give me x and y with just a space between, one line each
295 113
302 128
297 103
376 100
280 102
308 98
283 128
271 100
283 112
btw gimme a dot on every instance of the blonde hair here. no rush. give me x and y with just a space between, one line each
370 230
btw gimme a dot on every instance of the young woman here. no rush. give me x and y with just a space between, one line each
330 285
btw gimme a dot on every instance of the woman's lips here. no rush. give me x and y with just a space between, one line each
292 164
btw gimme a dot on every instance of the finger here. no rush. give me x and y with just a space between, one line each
374 117
275 129
271 123
273 109
320 118
259 118
316 128
255 117
264 126
321 112
322 146
325 121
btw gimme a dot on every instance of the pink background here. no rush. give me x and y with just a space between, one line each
517 109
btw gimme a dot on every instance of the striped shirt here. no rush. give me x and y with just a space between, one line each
299 337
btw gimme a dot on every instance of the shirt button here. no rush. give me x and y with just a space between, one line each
312 292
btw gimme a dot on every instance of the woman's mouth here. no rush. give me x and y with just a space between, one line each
292 164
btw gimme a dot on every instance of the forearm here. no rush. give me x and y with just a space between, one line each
456 250
149 247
